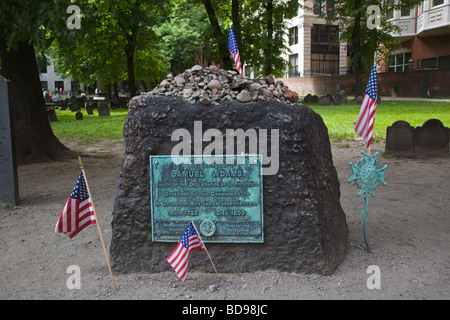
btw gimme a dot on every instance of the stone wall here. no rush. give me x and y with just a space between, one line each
305 228
401 84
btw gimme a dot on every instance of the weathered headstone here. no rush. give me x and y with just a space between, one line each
324 100
103 109
308 98
52 117
359 100
337 99
432 138
79 115
305 228
343 95
400 138
89 108
9 187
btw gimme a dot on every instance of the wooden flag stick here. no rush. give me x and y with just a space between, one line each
98 225
205 247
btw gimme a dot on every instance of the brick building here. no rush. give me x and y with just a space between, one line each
425 38
420 67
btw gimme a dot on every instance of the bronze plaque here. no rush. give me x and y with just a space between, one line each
222 195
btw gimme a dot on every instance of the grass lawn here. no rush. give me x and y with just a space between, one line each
338 119
92 128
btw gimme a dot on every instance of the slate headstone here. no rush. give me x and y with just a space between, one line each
103 109
337 99
9 186
432 138
79 115
324 101
89 108
400 138
52 117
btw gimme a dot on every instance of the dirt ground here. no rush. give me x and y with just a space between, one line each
408 230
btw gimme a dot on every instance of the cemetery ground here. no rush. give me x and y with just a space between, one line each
408 228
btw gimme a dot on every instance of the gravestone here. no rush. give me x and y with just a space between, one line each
79 115
359 100
308 98
337 99
324 100
103 109
432 138
305 228
400 138
89 108
52 117
9 187
343 95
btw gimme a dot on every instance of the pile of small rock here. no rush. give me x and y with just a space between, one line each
210 85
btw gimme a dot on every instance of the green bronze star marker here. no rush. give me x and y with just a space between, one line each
367 174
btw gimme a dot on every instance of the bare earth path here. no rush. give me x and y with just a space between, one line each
408 229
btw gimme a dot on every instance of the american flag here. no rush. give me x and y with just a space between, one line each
232 46
78 212
366 118
179 257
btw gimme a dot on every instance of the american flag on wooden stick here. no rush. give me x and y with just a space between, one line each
232 46
78 212
366 118
179 257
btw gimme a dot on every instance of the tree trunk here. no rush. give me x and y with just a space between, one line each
222 40
130 49
236 23
34 138
356 44
268 50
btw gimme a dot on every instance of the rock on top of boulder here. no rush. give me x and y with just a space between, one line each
225 85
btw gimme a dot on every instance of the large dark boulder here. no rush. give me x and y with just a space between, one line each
305 228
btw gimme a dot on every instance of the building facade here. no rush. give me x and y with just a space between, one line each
51 81
311 51
424 36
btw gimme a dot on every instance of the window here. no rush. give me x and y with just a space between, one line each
247 71
437 2
41 64
325 63
323 33
59 85
318 5
317 9
399 62
293 66
330 7
405 12
293 36
390 6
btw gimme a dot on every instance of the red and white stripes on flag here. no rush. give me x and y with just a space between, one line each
233 47
78 212
366 118
179 257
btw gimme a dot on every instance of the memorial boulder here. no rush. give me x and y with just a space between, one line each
303 226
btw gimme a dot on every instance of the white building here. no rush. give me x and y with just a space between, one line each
309 42
51 81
